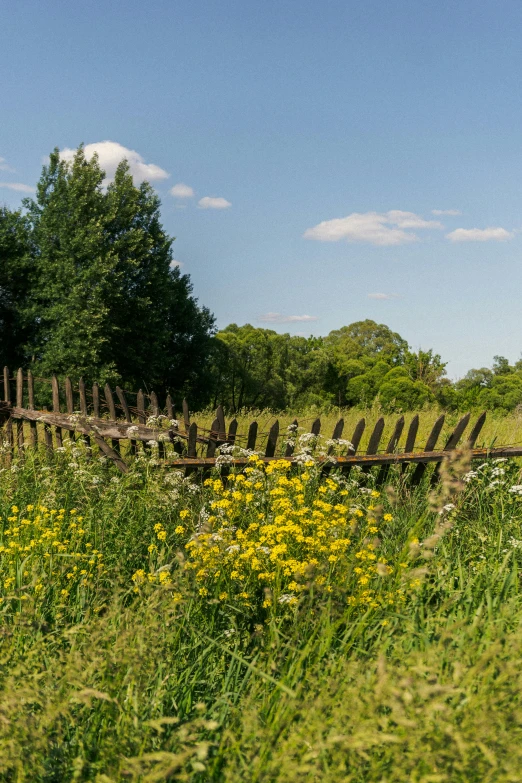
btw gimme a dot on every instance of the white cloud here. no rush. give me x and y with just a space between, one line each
110 154
19 186
279 318
209 202
383 296
376 228
174 264
480 235
4 166
451 212
180 190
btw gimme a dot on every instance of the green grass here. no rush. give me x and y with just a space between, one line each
110 684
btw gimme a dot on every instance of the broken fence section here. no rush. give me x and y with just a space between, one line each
121 424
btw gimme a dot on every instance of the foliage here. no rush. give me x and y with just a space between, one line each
104 301
15 279
106 677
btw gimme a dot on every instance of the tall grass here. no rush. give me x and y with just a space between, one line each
119 680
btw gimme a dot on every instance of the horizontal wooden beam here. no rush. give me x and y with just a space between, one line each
362 459
117 430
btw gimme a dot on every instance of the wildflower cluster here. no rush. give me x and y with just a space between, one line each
269 535
45 550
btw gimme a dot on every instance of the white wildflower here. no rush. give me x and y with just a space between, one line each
286 598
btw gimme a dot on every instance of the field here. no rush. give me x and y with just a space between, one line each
276 626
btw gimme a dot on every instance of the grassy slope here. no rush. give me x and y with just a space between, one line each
110 685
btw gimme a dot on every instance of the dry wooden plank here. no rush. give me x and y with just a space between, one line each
170 409
232 432
338 431
457 433
391 449
83 411
9 423
109 399
220 416
106 449
212 441
410 438
154 404
96 401
186 415
430 446
272 439
192 440
356 439
30 394
56 409
475 432
126 412
252 436
452 442
69 401
19 403
117 430
366 459
293 435
375 439
140 405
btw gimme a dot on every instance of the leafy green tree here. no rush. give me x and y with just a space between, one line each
15 282
106 303
261 368
505 393
399 392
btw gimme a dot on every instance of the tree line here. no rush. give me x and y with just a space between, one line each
88 288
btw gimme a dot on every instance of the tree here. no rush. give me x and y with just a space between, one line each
106 304
15 281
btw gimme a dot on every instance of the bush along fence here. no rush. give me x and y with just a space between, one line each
106 419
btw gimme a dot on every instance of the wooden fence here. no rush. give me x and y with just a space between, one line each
99 416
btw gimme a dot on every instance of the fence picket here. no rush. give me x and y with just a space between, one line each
356 439
56 409
192 440
232 430
272 439
126 413
30 394
109 399
410 439
83 411
220 416
336 434
452 442
186 414
20 404
9 423
391 448
212 441
430 446
96 400
375 439
475 432
69 402
170 409
289 447
252 436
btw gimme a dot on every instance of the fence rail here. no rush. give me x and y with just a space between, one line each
98 416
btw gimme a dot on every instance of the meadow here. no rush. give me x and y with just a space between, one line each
268 625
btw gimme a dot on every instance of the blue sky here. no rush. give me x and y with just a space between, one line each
317 138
